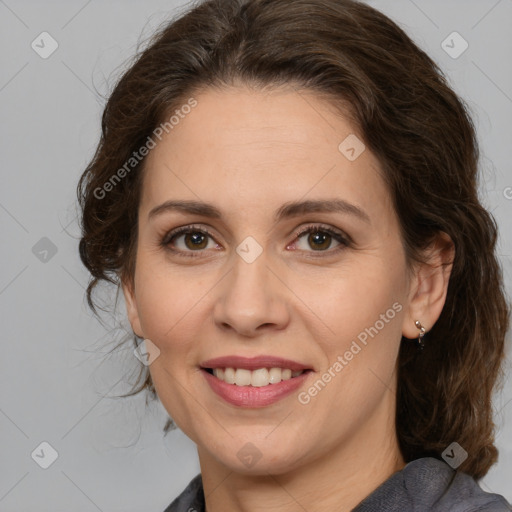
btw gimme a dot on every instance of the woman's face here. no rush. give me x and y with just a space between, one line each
333 300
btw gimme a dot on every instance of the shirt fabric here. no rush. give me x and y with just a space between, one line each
425 484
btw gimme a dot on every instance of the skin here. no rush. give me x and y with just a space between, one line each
249 152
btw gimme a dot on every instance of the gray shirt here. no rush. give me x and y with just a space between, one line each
423 485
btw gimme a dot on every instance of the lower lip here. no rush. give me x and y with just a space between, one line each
250 396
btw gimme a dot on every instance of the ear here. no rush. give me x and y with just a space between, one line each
429 286
131 307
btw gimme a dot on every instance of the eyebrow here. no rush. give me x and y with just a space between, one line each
288 210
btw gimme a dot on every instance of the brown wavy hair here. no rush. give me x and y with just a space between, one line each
408 116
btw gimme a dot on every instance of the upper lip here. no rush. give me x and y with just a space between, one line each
253 363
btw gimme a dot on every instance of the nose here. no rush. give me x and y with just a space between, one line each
251 299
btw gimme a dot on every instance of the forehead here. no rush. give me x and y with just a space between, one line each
241 120
247 146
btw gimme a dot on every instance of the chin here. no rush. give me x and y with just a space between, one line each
260 457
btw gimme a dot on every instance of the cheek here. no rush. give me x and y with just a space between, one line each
169 304
165 301
363 311
347 301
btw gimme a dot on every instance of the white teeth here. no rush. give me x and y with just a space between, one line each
242 377
229 375
257 378
275 375
286 374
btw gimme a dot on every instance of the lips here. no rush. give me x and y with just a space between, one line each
245 391
253 363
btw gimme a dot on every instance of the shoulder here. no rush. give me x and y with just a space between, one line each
191 499
423 484
445 489
430 484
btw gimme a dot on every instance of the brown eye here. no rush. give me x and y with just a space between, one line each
195 240
319 240
187 240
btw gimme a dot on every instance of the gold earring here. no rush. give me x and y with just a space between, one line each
422 333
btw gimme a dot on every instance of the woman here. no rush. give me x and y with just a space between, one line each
286 193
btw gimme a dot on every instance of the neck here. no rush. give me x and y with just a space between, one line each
337 480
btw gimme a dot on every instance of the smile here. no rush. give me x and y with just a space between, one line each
255 378
262 393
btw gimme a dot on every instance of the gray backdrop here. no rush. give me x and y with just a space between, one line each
57 380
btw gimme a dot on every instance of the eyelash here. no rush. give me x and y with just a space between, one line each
343 240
